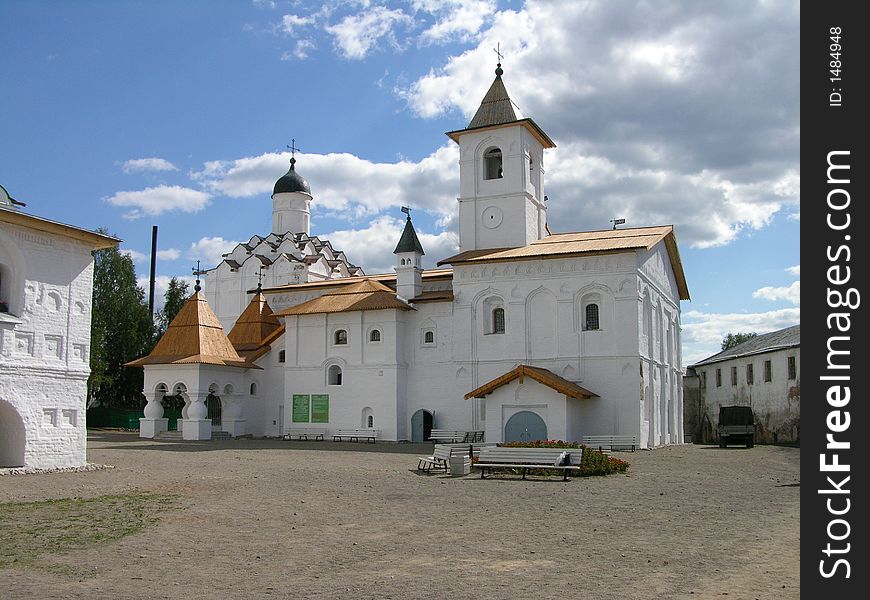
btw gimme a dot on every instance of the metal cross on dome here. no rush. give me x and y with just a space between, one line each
498 53
292 147
260 278
197 271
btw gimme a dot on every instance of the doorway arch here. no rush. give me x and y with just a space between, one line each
525 426
12 436
421 425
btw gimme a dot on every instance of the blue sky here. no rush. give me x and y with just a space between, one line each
177 114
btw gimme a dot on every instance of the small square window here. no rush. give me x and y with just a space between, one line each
341 337
282 356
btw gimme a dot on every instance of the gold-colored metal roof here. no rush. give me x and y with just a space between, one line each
544 376
560 245
360 295
254 325
194 336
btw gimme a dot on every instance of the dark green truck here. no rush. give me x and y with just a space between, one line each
736 426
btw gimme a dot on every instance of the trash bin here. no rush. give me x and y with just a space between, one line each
460 464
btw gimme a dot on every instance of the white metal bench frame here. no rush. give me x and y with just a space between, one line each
355 435
306 434
527 458
611 441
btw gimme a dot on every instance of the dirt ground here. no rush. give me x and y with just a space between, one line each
274 519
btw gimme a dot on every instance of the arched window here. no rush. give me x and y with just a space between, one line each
253 389
498 320
340 337
282 356
375 335
429 337
492 165
592 317
333 375
370 422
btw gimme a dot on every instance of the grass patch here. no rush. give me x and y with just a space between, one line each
31 529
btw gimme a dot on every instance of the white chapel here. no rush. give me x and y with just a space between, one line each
524 334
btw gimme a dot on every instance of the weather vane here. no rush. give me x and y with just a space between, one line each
617 222
498 53
197 271
260 279
407 211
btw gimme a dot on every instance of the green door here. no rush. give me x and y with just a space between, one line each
525 426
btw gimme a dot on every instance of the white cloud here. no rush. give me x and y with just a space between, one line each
264 3
795 270
702 332
790 293
300 51
210 250
457 19
139 165
291 23
346 185
157 200
142 257
372 247
357 35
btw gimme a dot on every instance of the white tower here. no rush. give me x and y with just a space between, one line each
409 253
501 175
291 203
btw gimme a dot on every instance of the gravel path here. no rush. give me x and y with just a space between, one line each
273 519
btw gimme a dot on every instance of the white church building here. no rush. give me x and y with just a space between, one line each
524 333
46 284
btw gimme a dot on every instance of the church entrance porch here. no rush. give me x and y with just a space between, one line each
525 426
213 407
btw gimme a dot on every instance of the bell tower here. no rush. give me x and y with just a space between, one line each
291 201
501 175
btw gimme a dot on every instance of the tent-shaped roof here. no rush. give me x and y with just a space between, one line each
194 336
255 328
364 295
548 378
409 242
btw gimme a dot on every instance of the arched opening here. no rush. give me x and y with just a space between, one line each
592 322
12 437
492 164
525 426
340 337
421 425
375 335
333 375
253 389
11 277
429 337
498 320
213 406
367 418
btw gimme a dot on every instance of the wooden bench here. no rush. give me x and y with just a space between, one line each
440 459
451 436
355 435
304 434
611 441
499 457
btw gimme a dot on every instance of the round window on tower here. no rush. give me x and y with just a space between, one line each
491 217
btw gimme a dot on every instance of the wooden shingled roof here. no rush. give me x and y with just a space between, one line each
543 376
255 329
194 336
559 245
363 295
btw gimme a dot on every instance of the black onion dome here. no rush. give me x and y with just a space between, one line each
291 182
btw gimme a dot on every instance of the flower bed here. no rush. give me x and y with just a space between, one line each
592 463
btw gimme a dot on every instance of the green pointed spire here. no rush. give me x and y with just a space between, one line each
409 242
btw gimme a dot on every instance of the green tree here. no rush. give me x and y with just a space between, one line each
121 330
732 339
175 297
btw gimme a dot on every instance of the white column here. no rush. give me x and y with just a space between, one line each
153 422
196 425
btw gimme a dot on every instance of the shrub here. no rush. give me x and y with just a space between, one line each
593 462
